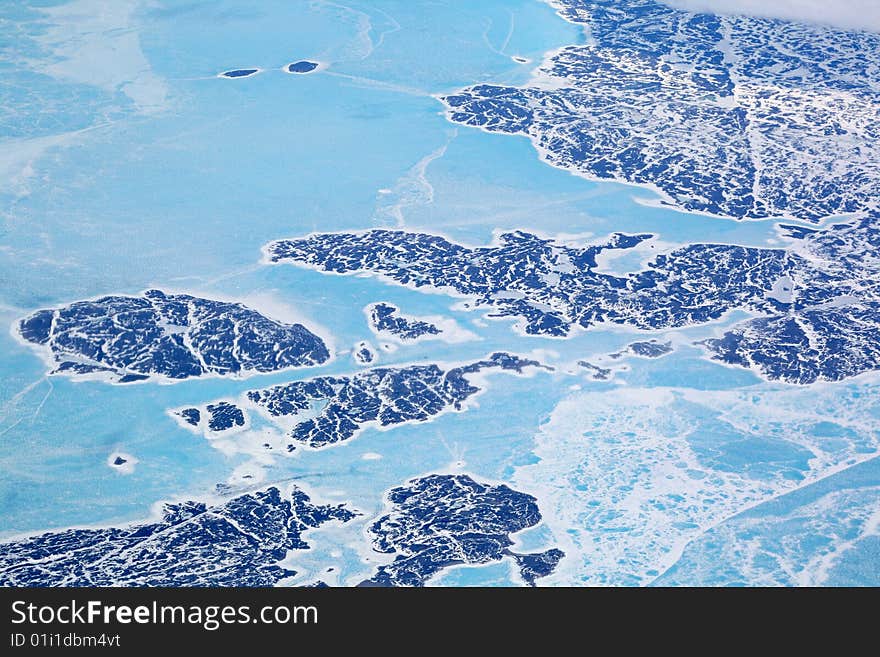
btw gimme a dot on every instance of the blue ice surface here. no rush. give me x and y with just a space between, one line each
235 543
857 566
438 521
617 107
387 395
171 335
303 66
820 299
722 447
240 73
821 534
386 317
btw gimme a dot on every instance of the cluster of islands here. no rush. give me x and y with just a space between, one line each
728 116
435 522
300 67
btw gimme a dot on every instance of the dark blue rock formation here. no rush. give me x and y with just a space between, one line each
240 73
599 373
363 354
170 336
386 318
826 344
646 349
534 566
301 67
440 521
236 543
223 416
191 416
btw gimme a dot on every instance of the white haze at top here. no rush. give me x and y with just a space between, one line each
847 14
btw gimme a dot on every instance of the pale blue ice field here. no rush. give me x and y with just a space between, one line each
147 170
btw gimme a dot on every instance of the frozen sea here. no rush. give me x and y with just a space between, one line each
127 163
